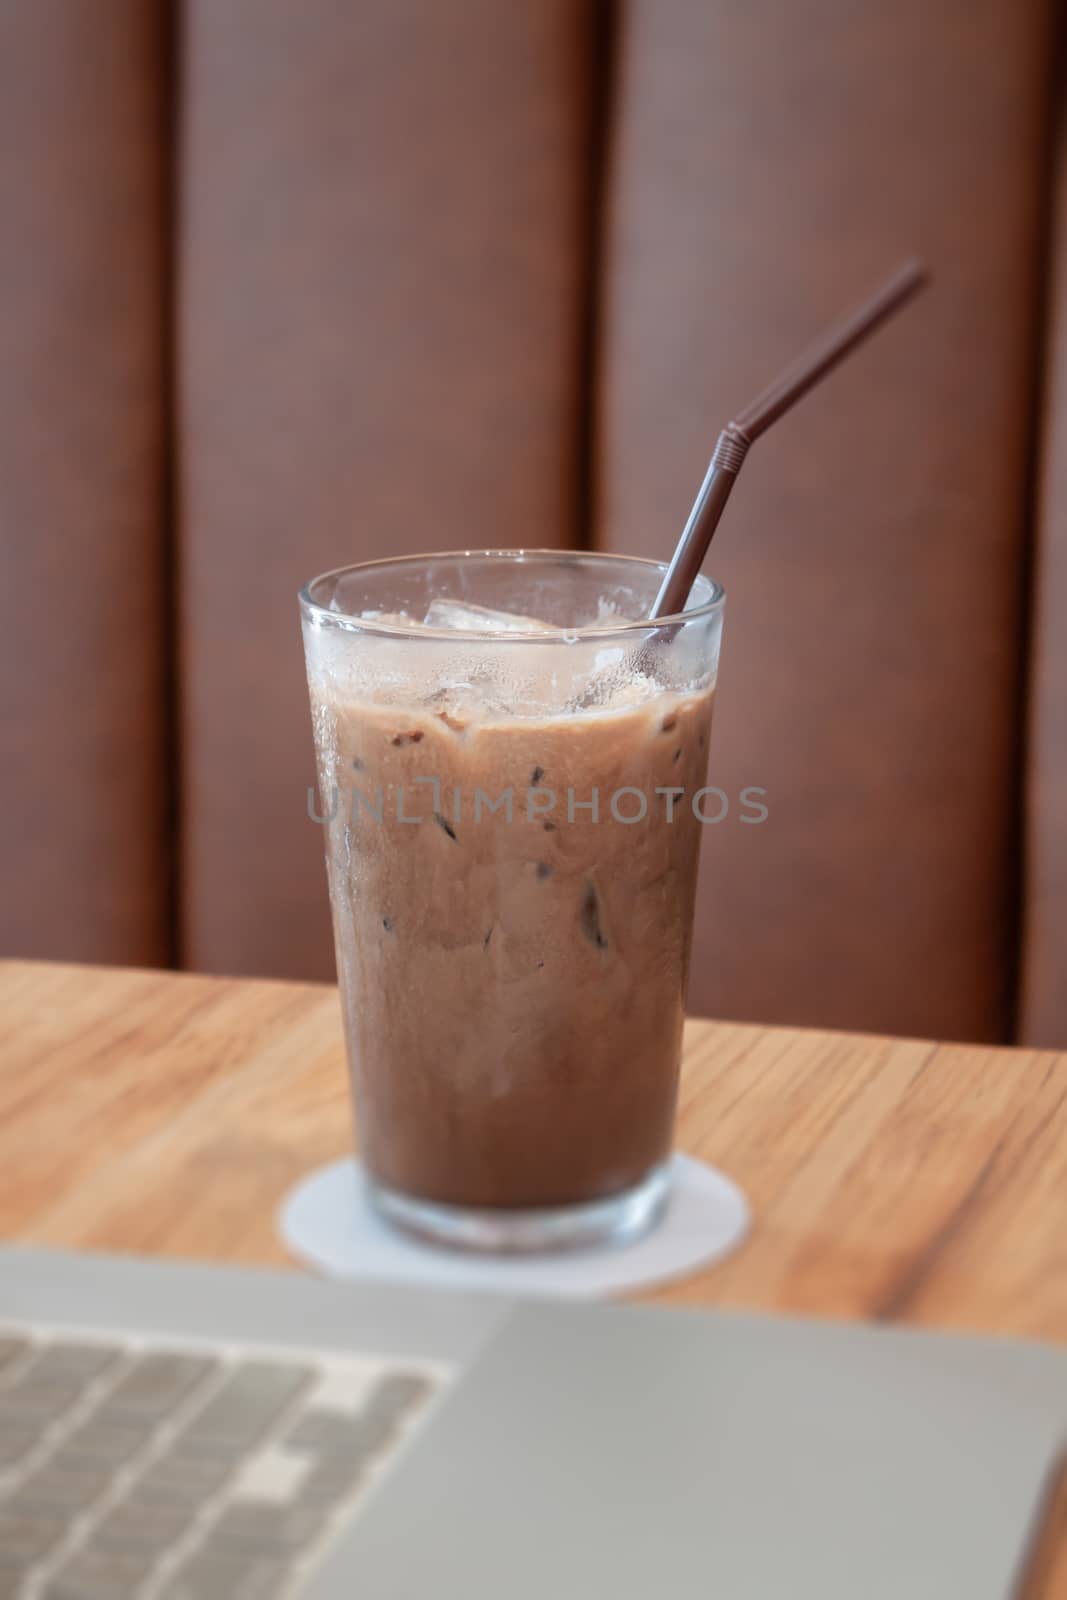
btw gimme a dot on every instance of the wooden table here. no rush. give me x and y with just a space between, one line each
891 1179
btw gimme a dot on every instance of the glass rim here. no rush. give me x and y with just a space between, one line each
417 630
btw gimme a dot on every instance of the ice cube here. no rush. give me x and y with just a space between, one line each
388 617
465 615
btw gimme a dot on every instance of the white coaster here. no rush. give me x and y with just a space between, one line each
327 1222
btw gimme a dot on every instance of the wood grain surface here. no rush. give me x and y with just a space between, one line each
891 1180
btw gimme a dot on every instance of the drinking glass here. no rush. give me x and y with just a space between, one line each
511 806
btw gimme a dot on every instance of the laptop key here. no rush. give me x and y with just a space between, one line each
78 1361
136 1529
17 1439
210 1450
399 1393
209 1576
249 1401
340 1434
156 1384
328 1484
99 1575
184 1480
28 1535
266 1527
11 1349
95 1441
80 1589
44 1399
51 1488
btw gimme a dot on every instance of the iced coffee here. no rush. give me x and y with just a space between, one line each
507 788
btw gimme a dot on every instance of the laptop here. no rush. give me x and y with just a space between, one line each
203 1433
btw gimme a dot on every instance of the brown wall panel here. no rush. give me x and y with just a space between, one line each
83 853
1043 991
771 162
384 229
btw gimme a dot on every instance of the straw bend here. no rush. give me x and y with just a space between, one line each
731 448
734 441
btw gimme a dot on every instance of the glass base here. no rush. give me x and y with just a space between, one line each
618 1219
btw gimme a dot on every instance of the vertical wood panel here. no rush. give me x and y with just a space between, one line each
384 239
1043 990
772 161
83 853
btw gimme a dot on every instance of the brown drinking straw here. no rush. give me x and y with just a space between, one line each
734 440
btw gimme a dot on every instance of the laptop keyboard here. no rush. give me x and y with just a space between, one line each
151 1470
